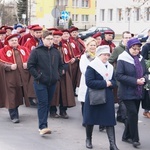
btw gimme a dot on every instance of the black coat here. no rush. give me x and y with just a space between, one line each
45 65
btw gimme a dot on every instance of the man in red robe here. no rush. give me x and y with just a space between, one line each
14 77
108 40
27 36
35 39
64 94
71 55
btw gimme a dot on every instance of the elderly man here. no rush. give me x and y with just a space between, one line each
14 76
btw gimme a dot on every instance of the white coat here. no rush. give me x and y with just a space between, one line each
84 62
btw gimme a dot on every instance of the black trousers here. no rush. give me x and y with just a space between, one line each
131 124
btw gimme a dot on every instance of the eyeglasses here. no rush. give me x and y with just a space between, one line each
127 38
136 48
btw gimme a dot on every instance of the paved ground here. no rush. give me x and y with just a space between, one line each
66 134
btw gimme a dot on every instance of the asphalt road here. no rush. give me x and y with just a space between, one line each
67 134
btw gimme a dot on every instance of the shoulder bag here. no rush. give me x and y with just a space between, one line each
97 97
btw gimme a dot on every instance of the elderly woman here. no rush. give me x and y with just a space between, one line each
99 75
130 73
86 58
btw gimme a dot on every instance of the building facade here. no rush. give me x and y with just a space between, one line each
46 12
121 15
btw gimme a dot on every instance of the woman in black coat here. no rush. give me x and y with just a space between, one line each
130 72
99 75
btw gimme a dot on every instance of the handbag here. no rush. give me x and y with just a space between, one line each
97 97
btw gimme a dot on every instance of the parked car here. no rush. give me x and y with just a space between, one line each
91 31
143 35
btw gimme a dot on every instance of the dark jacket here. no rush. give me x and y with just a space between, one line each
45 65
126 75
146 51
103 114
117 51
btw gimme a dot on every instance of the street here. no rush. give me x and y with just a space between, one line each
67 134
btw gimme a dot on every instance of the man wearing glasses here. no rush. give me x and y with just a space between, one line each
45 65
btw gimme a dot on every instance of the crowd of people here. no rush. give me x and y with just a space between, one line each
43 68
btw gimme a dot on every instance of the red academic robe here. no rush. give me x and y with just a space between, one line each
70 50
25 38
14 83
31 43
111 44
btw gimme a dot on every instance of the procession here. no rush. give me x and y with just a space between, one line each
60 90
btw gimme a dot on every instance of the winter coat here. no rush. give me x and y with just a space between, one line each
103 114
126 75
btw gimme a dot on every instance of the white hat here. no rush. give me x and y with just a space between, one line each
104 49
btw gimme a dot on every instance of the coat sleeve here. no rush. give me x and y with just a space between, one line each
83 64
32 65
122 77
92 82
144 52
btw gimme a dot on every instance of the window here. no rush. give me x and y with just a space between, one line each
75 3
85 18
137 14
128 14
74 17
62 3
110 14
148 13
102 14
119 14
85 3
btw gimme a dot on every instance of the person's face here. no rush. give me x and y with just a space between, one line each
13 42
104 57
126 38
57 39
37 34
48 41
91 47
65 35
99 40
8 31
135 50
19 29
74 34
108 37
2 36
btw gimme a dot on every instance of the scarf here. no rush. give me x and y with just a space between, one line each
90 56
100 67
139 74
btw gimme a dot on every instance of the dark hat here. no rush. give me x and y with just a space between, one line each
66 30
18 26
133 41
2 32
37 28
7 27
50 29
22 30
108 32
73 29
11 36
98 34
57 33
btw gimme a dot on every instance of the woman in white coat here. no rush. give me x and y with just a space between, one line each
86 58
